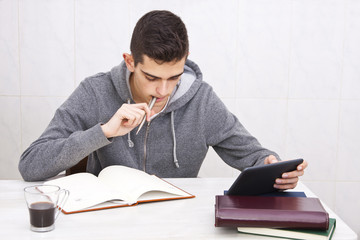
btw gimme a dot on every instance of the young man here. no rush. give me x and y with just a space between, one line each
101 117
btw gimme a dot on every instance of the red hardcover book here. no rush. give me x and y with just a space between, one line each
270 212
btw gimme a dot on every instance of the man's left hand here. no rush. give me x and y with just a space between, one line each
288 180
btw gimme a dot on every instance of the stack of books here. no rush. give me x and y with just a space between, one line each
286 217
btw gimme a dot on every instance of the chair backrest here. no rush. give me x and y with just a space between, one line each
80 167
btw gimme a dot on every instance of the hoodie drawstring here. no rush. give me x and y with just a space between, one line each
131 143
174 139
176 162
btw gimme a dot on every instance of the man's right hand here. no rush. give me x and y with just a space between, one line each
127 117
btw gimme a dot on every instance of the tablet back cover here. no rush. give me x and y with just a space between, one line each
260 179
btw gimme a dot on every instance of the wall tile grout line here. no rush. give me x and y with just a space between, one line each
74 43
20 79
288 86
35 96
340 106
237 74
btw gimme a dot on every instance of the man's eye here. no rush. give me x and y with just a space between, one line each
150 78
175 78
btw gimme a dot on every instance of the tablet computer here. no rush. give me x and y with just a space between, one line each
260 179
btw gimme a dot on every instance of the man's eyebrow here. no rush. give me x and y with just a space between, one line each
150 75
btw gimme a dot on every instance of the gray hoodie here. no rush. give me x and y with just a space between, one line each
173 144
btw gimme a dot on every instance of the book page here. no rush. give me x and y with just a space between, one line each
155 195
292 233
85 191
132 183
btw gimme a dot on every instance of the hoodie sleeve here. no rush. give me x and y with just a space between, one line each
72 134
232 142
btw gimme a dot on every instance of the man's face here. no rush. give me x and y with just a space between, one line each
150 79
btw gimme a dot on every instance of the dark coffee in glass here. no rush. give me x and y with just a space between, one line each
42 214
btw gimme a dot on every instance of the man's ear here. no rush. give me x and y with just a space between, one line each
129 61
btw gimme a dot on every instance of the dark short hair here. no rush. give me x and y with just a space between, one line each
160 35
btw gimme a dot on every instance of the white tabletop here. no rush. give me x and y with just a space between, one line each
177 219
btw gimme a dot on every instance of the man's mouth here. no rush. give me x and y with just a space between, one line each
160 99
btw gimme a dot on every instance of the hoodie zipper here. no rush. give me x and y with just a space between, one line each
145 141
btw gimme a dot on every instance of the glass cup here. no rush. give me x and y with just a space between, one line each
44 203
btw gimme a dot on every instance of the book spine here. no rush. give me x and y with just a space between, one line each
271 219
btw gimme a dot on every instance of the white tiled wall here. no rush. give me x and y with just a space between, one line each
102 35
289 69
46 47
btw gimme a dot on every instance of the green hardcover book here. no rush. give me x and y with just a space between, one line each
299 234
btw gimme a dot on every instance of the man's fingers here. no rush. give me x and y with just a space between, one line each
300 173
286 180
302 166
270 159
287 183
289 180
285 186
128 116
133 114
292 174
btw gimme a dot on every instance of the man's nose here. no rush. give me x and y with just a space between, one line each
162 88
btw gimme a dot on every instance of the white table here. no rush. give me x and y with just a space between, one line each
177 219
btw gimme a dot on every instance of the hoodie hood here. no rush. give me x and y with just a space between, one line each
189 84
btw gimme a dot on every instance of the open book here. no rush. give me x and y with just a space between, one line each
116 186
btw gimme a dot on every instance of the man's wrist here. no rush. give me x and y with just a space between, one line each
104 130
